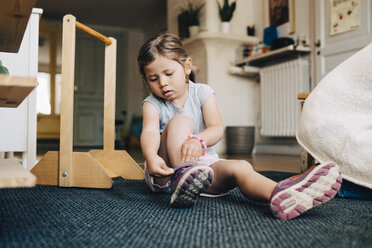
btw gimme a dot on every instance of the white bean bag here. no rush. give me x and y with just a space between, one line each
336 121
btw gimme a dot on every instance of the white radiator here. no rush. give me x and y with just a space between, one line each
280 109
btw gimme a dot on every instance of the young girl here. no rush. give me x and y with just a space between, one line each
182 123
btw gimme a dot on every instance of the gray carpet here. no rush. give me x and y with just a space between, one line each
129 215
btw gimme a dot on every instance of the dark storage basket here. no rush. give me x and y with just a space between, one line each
240 140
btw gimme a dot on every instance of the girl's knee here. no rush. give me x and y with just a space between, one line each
242 165
179 124
180 119
233 168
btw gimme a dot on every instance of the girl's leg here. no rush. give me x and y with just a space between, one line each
189 180
289 198
172 138
229 174
174 135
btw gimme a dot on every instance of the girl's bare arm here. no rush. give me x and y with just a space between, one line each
191 149
213 122
150 142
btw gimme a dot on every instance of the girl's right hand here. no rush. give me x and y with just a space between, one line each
158 168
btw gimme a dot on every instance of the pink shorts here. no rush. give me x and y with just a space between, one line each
205 160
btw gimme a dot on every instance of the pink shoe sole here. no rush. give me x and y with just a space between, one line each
319 186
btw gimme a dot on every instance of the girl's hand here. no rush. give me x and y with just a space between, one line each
158 168
191 150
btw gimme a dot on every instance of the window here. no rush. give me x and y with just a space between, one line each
44 94
58 94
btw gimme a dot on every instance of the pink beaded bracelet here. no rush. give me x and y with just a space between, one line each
202 142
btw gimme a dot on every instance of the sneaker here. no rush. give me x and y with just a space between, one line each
294 196
187 182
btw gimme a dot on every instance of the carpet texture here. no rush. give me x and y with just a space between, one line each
129 215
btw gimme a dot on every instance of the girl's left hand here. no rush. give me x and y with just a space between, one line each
191 150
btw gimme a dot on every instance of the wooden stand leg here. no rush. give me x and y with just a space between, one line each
67 102
118 163
86 172
107 169
46 170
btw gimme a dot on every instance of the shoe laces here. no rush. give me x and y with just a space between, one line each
180 169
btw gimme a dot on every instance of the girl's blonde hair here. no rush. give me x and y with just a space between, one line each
167 45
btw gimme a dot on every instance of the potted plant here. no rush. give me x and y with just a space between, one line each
226 13
3 69
191 16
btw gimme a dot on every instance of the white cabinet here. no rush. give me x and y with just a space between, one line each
18 125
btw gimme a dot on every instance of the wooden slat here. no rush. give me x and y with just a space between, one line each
67 100
13 90
12 175
93 33
14 16
109 97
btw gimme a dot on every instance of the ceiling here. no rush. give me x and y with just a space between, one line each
141 14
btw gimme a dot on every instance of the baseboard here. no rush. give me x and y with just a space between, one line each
277 149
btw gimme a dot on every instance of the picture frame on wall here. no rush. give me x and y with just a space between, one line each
280 13
344 16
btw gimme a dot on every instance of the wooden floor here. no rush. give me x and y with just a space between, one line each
267 162
260 162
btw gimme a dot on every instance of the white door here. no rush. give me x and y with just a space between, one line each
89 88
333 49
88 97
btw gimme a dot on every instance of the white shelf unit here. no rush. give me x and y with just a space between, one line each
18 117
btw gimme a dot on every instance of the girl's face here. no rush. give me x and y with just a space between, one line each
167 78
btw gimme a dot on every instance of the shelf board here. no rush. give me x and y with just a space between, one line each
245 71
274 57
244 40
13 175
14 17
13 90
